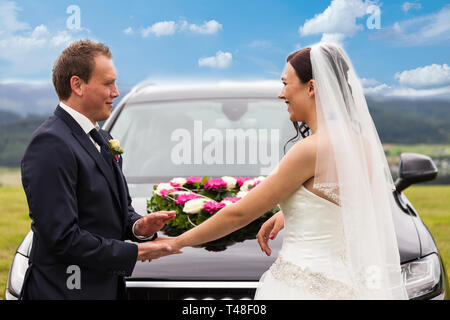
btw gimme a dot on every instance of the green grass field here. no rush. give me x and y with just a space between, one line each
431 150
432 203
433 206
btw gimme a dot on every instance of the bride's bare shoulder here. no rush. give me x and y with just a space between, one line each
305 147
301 155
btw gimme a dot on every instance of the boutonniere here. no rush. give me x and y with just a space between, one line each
114 147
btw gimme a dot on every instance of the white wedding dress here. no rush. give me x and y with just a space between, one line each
312 261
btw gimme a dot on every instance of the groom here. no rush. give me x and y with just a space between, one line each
77 195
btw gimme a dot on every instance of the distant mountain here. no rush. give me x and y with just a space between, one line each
24 107
25 99
14 138
405 121
32 99
8 116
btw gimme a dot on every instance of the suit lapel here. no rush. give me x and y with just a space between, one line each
121 183
87 144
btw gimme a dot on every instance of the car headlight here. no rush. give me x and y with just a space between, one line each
422 277
19 266
17 274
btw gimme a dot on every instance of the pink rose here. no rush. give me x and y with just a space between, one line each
183 198
255 184
192 180
215 184
163 193
233 200
241 180
212 206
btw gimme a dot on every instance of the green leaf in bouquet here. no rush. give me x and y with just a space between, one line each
228 194
201 217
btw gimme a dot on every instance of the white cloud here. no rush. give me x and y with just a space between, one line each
263 44
425 30
410 5
337 38
419 93
380 89
61 39
432 75
338 21
384 90
16 46
167 28
208 27
163 28
369 82
25 49
128 30
8 17
220 60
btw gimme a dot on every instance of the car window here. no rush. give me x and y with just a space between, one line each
214 137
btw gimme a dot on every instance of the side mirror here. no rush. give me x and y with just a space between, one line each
415 168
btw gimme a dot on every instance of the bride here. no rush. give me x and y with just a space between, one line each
333 187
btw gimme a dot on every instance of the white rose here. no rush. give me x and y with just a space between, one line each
231 182
246 184
242 194
115 144
163 186
227 203
194 206
260 178
178 193
179 181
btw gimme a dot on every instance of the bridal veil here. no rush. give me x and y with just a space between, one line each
351 169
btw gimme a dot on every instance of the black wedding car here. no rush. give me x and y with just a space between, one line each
230 129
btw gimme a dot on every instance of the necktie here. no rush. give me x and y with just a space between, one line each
106 153
104 148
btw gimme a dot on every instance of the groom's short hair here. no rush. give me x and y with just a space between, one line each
76 60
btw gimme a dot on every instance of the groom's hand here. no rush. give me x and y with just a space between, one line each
156 249
152 223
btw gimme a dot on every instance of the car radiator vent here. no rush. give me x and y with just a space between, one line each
184 290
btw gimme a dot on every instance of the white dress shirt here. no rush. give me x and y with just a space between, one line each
87 126
83 121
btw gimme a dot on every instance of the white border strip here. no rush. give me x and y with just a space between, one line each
193 284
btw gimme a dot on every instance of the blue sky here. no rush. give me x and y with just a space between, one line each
164 41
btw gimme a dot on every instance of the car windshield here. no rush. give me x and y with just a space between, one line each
214 137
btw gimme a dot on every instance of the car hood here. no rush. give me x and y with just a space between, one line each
240 261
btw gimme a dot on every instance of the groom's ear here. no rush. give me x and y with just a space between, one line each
76 83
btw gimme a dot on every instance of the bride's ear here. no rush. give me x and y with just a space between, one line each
311 88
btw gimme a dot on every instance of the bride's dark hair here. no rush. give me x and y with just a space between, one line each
301 62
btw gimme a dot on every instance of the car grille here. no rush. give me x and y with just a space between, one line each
190 290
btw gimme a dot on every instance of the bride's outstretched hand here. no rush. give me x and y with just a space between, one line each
171 242
269 230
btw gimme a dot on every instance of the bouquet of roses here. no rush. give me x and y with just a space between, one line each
196 199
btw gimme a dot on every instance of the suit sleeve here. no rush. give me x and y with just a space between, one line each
49 177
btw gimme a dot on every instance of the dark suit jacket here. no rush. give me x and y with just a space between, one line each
81 214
